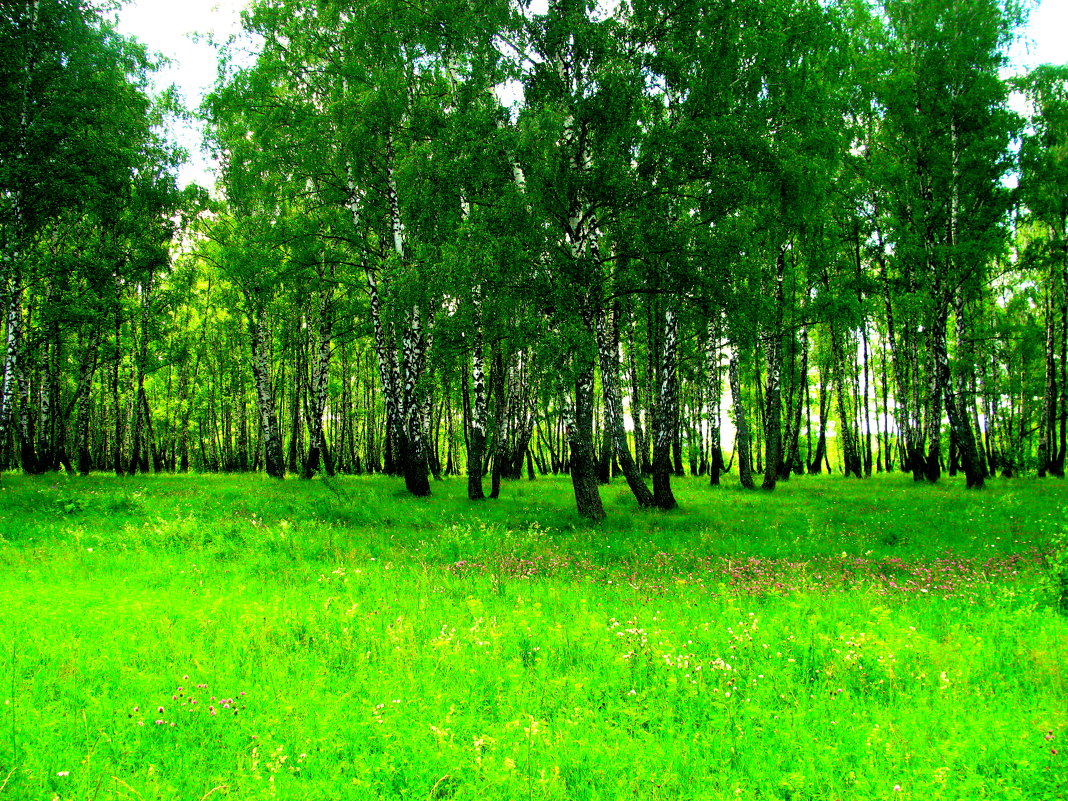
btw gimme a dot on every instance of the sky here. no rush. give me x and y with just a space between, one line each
182 32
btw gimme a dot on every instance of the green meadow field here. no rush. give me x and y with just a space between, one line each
211 637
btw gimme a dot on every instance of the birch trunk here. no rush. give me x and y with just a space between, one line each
667 415
580 439
476 451
743 445
608 351
85 385
14 371
139 458
959 420
715 385
274 462
1049 400
773 396
396 441
320 380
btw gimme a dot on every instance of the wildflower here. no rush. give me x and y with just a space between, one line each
897 788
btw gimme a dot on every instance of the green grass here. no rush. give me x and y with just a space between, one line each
835 639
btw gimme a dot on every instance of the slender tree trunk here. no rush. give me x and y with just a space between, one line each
85 385
501 422
959 420
13 347
793 463
641 447
666 418
1062 415
905 364
14 370
847 434
265 396
773 414
935 390
320 378
865 407
715 385
116 398
1049 409
815 465
743 445
476 448
139 456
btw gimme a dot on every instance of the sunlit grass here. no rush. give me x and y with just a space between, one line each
831 640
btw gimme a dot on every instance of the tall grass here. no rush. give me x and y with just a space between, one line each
834 639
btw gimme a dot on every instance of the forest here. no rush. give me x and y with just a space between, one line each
617 265
643 239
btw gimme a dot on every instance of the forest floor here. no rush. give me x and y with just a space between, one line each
196 637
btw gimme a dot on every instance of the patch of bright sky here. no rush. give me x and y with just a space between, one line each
183 32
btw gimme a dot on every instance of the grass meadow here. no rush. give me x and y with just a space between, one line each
230 637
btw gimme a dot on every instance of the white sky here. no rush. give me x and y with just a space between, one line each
181 31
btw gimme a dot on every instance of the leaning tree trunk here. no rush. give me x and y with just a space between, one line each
667 414
608 350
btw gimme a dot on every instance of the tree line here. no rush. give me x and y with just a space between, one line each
666 236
